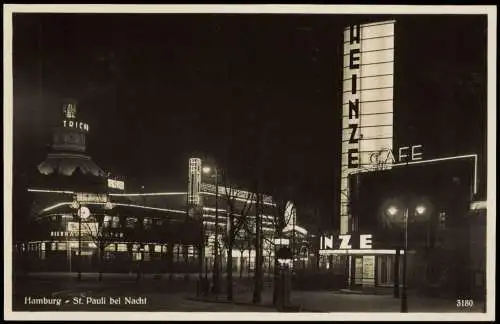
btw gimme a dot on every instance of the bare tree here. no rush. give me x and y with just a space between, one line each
101 234
278 222
258 283
236 219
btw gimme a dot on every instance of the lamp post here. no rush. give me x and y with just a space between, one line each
202 282
284 256
392 211
207 170
75 205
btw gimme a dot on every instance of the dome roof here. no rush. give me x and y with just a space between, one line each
67 163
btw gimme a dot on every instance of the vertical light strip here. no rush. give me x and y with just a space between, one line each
367 96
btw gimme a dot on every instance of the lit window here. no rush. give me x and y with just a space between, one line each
137 256
122 247
146 248
53 246
43 247
110 248
116 222
135 247
61 246
73 245
130 222
92 245
158 248
106 221
147 223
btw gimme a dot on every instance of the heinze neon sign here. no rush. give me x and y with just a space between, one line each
345 242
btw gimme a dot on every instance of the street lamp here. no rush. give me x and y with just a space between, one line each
208 170
420 209
75 205
285 256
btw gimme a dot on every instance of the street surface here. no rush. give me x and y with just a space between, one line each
150 294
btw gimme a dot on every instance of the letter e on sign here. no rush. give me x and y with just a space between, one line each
365 241
416 155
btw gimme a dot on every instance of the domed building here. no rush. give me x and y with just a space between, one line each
80 219
83 220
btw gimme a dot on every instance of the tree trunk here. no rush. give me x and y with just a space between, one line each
101 258
229 261
275 279
241 264
257 293
229 270
139 263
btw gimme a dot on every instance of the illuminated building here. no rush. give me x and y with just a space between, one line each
244 211
79 209
374 155
117 231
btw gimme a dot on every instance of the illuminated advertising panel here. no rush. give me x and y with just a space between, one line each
194 182
116 184
86 197
367 102
87 228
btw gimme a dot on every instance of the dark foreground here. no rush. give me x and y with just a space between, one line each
115 293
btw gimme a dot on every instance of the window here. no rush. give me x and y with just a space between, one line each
131 222
110 248
106 221
147 223
121 247
157 248
137 256
115 222
178 253
61 246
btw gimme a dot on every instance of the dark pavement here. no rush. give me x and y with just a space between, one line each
178 294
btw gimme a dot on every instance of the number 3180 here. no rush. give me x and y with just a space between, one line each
465 303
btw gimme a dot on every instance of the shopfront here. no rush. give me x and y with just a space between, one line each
355 255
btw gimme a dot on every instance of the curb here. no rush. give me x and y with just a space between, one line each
221 301
361 292
208 300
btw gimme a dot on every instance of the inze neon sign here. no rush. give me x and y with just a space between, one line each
327 242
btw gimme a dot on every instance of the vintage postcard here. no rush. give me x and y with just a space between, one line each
249 162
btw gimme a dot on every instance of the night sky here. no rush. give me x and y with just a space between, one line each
158 89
